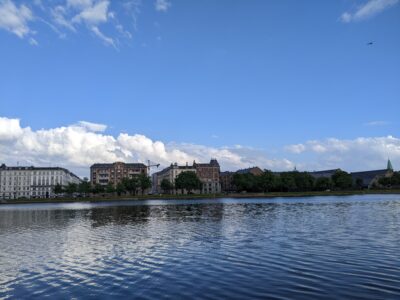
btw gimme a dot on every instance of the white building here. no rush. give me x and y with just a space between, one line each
31 182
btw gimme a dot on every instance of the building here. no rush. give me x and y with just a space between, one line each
113 173
33 182
208 174
366 178
370 178
226 178
170 173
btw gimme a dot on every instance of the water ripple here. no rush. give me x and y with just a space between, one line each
332 247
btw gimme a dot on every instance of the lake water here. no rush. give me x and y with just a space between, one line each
283 248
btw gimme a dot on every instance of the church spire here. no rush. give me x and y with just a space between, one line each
389 165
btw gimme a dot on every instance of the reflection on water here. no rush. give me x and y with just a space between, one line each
326 247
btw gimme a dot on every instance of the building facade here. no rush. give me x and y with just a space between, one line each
226 178
113 173
33 182
209 176
170 173
207 173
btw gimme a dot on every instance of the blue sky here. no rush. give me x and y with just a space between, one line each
264 80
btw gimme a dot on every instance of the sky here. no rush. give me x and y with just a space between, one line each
276 84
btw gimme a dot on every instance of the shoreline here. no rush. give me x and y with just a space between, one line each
108 198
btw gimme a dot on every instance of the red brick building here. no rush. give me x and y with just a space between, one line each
209 176
104 174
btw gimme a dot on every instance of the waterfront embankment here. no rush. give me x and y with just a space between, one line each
107 197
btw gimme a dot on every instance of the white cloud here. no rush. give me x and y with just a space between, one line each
9 129
79 3
72 15
95 127
58 14
107 40
362 153
368 10
15 18
79 145
298 148
92 13
33 42
162 5
377 123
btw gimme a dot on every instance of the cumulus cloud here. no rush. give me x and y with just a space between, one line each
79 145
368 10
15 18
162 5
362 153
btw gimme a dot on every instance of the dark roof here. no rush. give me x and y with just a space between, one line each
212 163
249 170
368 176
129 165
323 173
32 168
226 173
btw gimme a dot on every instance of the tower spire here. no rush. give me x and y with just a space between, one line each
389 165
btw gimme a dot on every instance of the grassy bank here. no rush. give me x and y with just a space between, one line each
202 196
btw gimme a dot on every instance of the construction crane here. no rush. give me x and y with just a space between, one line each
150 165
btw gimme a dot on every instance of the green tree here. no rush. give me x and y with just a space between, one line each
144 182
188 181
392 181
110 188
84 186
267 181
304 181
71 188
97 189
287 182
247 182
167 185
120 188
131 184
323 184
58 189
342 180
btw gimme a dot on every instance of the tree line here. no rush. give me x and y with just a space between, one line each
389 182
131 186
293 182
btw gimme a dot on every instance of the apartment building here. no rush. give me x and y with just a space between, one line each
113 173
208 173
170 173
33 182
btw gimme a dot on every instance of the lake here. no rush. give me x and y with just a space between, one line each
282 248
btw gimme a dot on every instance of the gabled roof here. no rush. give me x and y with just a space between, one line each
253 170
